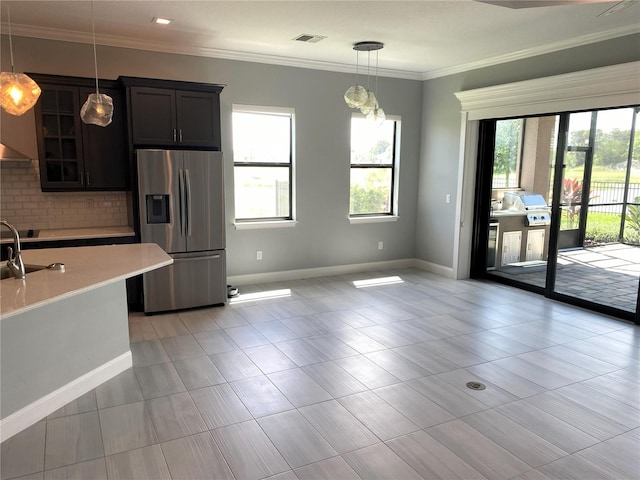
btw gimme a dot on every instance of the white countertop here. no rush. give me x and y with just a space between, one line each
75 234
85 268
507 213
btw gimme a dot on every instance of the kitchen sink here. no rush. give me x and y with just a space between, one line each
6 273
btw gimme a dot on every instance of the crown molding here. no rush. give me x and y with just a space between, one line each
162 47
612 86
532 52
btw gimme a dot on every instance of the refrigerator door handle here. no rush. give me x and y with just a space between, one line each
181 200
188 200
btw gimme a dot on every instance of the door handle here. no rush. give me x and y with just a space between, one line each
197 259
181 199
88 179
188 200
180 136
175 135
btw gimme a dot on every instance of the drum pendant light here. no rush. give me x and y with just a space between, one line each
98 109
18 92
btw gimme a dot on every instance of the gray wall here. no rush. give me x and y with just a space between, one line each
435 222
323 236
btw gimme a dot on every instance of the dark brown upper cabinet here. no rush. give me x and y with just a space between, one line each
73 155
173 114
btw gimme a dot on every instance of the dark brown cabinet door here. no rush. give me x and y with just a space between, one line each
59 138
105 148
169 118
198 119
74 155
153 113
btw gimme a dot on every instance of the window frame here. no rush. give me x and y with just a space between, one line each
392 214
276 221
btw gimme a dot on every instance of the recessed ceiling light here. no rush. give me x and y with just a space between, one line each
161 21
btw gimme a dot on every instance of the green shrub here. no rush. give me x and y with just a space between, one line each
631 236
602 228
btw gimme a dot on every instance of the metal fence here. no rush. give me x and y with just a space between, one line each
608 197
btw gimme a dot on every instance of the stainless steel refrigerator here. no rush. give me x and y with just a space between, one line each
181 199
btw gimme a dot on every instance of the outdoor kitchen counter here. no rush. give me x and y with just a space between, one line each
507 213
86 268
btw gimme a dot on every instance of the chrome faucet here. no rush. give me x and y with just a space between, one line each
15 263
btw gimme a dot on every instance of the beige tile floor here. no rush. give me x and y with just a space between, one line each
318 379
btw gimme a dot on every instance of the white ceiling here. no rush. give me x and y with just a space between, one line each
423 39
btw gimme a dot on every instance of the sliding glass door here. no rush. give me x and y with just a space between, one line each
595 260
558 207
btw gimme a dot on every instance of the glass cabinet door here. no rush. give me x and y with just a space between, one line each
60 144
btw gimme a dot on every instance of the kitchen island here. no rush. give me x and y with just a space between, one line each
62 333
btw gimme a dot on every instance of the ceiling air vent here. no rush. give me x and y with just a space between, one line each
305 37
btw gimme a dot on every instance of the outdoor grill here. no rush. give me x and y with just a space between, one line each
532 205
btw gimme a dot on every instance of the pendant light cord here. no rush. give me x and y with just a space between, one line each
95 56
377 73
368 70
13 70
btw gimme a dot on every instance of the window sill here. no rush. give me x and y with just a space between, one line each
374 219
259 225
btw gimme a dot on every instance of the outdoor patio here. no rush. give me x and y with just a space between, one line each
606 274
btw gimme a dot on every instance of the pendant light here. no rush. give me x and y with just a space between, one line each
18 92
376 114
356 95
367 106
367 101
98 109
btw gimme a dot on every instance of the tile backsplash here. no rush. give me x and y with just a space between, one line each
23 204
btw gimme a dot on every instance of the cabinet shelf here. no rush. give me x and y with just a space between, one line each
55 112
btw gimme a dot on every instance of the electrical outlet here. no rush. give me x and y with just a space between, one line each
259 255
447 198
380 245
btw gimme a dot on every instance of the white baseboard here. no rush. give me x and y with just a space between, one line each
318 272
35 411
446 272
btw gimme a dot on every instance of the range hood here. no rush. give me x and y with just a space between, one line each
8 154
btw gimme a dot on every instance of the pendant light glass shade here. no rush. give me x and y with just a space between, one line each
98 109
370 104
18 92
355 96
377 116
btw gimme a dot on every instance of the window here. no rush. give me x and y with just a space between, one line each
262 161
374 150
507 156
